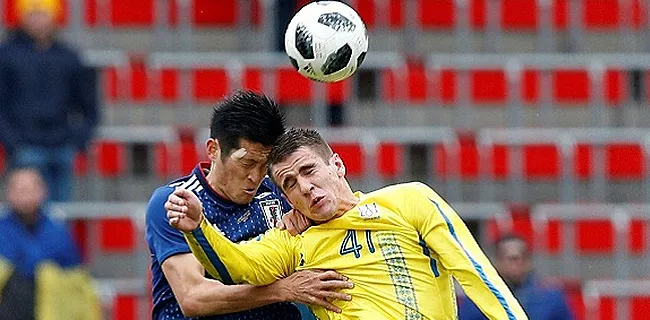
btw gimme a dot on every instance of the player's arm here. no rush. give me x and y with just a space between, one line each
200 296
270 257
446 234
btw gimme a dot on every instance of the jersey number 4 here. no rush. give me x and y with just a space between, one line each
351 245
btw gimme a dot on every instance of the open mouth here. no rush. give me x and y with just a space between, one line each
316 201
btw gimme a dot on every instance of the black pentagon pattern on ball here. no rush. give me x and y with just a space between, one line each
337 60
294 63
360 59
304 42
336 21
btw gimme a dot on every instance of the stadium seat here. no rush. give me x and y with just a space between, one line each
109 158
169 85
468 159
79 231
125 307
80 164
117 235
110 81
139 81
639 307
214 12
390 159
189 156
367 9
623 161
209 85
123 13
292 88
541 161
161 160
353 157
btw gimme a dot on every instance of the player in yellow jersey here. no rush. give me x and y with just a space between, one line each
400 245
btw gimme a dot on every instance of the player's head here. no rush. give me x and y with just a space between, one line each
513 260
38 17
26 193
244 128
311 176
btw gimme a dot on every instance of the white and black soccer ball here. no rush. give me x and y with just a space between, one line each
326 41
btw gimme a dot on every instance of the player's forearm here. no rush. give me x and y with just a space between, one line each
227 260
211 298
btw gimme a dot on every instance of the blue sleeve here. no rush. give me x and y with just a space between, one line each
71 256
561 310
467 310
164 241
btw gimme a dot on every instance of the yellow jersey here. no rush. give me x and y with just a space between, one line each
400 246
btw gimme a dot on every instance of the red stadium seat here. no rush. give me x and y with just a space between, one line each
441 14
519 14
352 156
415 84
602 14
111 91
80 164
574 86
124 13
215 12
209 85
109 158
623 162
468 160
390 159
139 81
125 307
161 160
252 79
189 156
117 235
169 85
541 161
638 236
639 307
292 88
79 231
367 9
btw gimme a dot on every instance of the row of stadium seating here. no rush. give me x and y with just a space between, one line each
139 83
522 15
527 165
564 238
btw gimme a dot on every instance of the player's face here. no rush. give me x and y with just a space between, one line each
311 184
238 175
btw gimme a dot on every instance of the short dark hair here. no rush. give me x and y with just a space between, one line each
246 115
295 138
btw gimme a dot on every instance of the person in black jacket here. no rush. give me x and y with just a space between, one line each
48 101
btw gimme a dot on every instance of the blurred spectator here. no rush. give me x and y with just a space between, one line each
514 264
34 252
48 102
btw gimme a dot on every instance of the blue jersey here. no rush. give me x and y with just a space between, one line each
238 222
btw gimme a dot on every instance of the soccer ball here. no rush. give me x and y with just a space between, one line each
326 41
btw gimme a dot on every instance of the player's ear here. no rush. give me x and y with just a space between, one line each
213 149
337 162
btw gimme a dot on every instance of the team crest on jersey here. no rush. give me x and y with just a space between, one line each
272 210
369 211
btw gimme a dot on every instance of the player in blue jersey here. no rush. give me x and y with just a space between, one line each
239 199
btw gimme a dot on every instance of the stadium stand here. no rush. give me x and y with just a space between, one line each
529 115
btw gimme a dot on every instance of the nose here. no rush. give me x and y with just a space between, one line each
305 185
256 175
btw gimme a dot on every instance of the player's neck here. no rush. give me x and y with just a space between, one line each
347 202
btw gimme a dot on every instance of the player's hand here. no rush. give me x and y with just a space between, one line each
316 288
184 210
295 222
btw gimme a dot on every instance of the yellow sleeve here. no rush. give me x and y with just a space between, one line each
262 261
446 234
